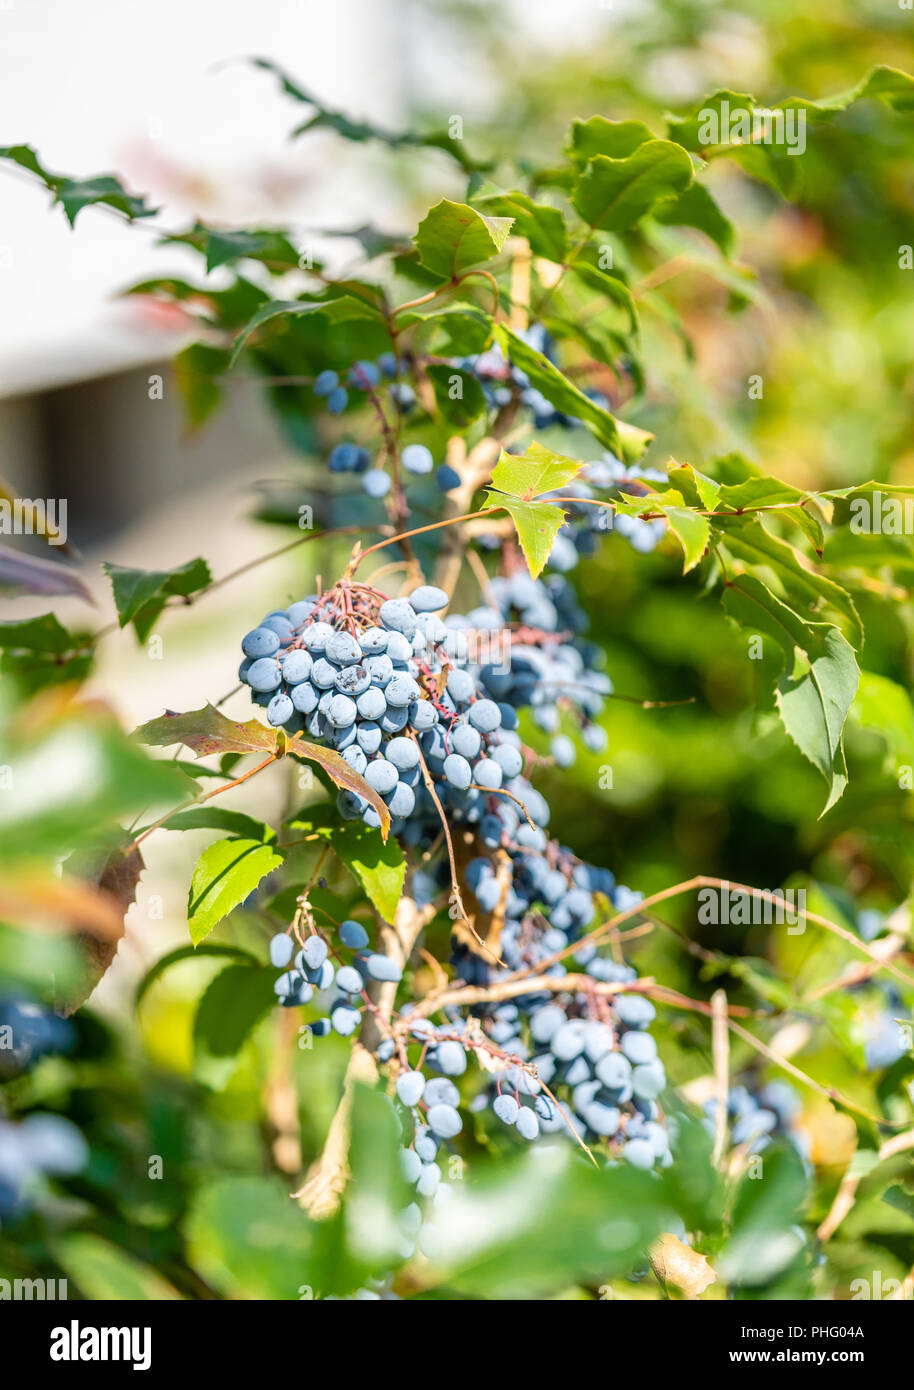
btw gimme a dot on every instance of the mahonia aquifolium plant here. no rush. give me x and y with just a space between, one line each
466 399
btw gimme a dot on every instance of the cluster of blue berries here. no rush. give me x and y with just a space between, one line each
756 1118
309 975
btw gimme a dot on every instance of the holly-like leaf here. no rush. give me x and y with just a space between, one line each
379 866
624 440
140 595
76 194
43 634
325 118
537 525
614 194
535 471
692 531
680 1265
610 286
542 226
749 540
224 875
462 329
818 681
347 305
452 237
696 208
220 247
616 139
205 731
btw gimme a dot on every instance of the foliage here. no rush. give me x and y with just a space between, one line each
535 338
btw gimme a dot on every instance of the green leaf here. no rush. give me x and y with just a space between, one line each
102 1271
140 595
764 1239
458 395
535 471
377 1191
750 541
624 440
359 131
44 634
542 226
452 237
197 370
223 877
614 194
692 531
219 818
608 285
459 329
696 488
814 693
537 525
248 1240
76 194
182 953
379 866
696 208
223 247
285 308
615 139
230 1008
534 1226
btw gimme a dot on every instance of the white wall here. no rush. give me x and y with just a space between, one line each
149 92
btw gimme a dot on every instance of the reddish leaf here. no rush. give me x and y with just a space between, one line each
206 731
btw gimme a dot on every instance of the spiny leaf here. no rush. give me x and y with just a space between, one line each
76 194
379 867
224 875
614 194
140 595
535 471
537 525
205 731
542 226
616 139
360 131
692 531
452 237
813 694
